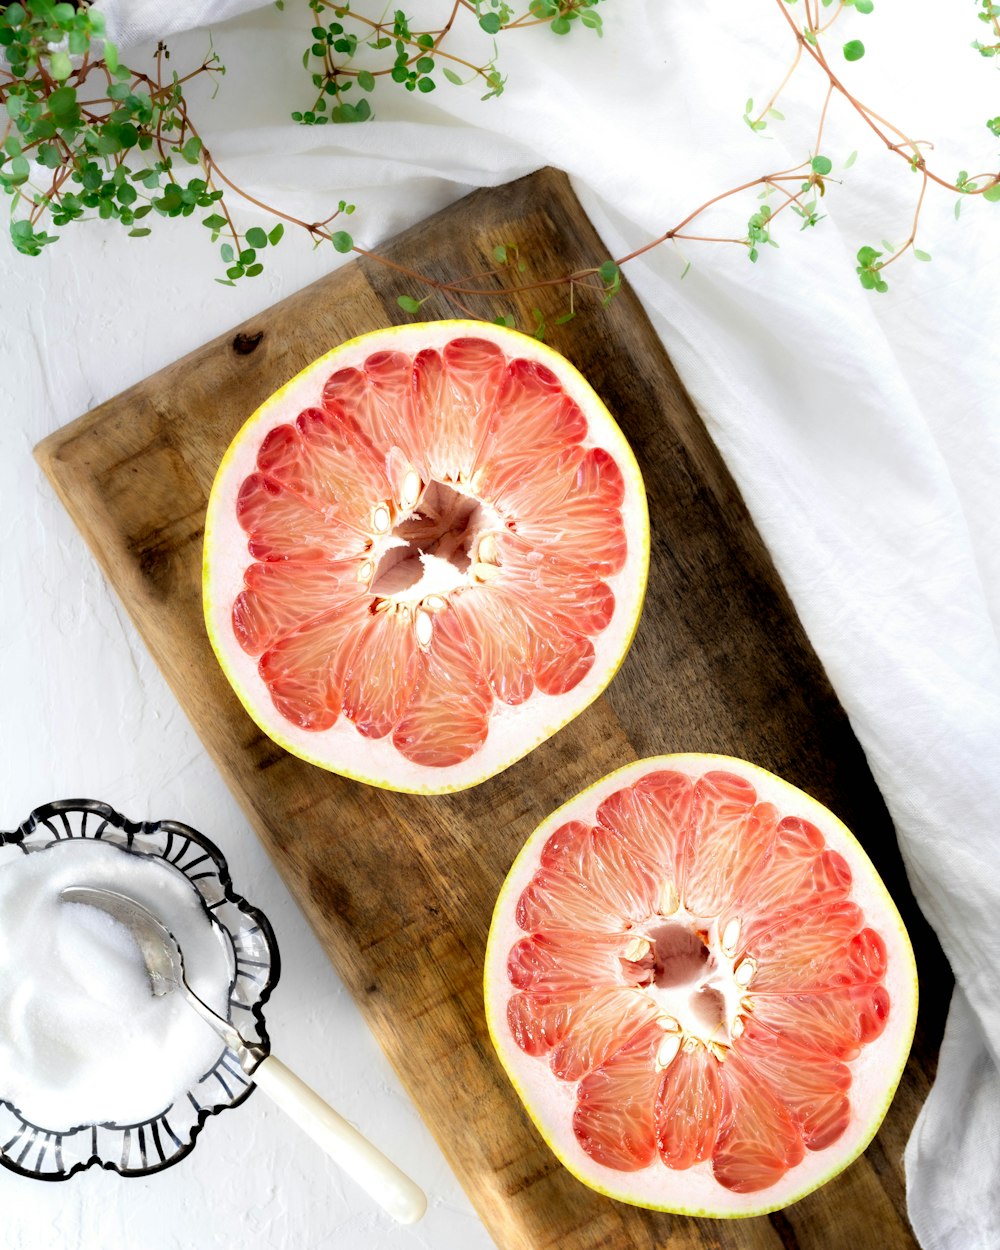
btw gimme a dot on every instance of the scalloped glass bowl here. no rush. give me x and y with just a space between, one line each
147 1147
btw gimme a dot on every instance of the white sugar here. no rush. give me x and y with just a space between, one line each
83 1040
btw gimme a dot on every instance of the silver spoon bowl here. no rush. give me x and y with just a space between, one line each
377 1175
164 962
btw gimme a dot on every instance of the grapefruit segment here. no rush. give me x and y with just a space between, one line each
473 372
688 1107
535 422
559 586
280 596
814 1089
758 1139
614 1118
281 525
687 1036
560 963
585 517
651 816
378 397
524 482
835 1022
326 459
595 1028
730 834
537 1021
448 716
304 670
577 1029
587 884
811 951
562 658
798 864
381 674
455 395
485 503
866 957
500 635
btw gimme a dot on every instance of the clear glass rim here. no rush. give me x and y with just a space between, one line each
111 1145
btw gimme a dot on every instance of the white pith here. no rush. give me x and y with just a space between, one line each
514 730
704 1007
551 1101
441 573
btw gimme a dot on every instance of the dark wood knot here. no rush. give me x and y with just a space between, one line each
244 344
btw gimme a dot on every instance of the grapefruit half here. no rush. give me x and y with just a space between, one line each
700 988
425 554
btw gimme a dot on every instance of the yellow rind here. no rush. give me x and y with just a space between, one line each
626 462
503 909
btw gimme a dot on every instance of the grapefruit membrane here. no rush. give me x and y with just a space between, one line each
700 988
425 554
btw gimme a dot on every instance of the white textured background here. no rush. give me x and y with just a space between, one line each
861 429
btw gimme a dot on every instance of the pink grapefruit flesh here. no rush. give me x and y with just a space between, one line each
700 988
425 555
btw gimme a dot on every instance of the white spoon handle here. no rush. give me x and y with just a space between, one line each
378 1176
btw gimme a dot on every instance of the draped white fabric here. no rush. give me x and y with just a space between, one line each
861 428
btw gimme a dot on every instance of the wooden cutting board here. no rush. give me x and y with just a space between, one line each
400 889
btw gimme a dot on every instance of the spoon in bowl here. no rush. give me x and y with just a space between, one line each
378 1176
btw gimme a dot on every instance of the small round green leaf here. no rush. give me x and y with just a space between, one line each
256 237
60 66
854 50
63 106
342 241
490 22
822 165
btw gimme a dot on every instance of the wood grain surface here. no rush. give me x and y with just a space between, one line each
400 889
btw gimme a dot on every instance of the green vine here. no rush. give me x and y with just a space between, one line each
353 50
83 136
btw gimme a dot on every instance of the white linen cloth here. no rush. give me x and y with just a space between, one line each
860 428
